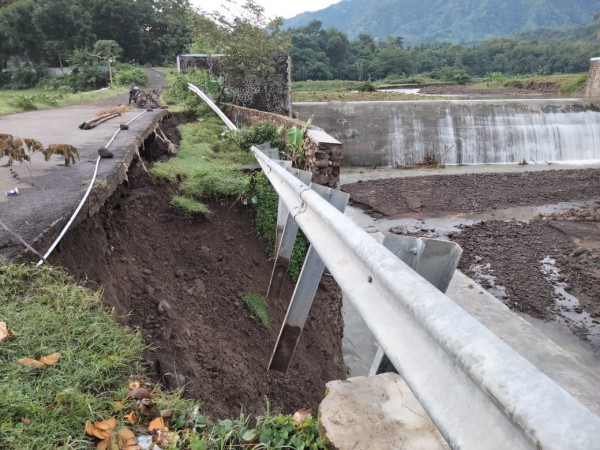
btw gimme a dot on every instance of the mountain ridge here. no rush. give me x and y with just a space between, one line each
460 21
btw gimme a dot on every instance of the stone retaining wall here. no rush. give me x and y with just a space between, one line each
323 152
592 89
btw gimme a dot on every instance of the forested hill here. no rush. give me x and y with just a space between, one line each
461 21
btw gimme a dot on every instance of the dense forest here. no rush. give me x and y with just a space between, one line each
85 34
324 54
148 31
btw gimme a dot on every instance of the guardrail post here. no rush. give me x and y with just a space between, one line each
304 293
287 229
433 259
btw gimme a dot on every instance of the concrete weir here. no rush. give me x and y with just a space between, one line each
460 131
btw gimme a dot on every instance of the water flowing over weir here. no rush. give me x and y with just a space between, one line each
461 131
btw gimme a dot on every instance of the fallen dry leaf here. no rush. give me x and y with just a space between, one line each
134 384
126 439
132 417
30 362
117 405
101 430
26 421
156 424
300 415
51 359
5 332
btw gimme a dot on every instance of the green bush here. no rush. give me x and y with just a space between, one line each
367 86
125 74
452 74
257 134
25 102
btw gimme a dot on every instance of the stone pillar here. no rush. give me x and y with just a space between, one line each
592 89
323 158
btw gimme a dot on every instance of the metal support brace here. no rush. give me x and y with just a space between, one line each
287 229
433 259
305 291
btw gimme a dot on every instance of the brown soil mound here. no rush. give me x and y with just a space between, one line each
180 279
508 257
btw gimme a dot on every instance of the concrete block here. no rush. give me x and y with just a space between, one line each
376 413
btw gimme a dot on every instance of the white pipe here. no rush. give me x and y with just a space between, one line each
85 196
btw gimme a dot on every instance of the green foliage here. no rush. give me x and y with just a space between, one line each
456 75
198 171
257 304
268 432
315 57
50 313
265 220
25 102
125 74
295 141
258 133
570 86
177 91
367 86
189 205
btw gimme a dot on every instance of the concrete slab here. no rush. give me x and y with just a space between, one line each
376 412
51 192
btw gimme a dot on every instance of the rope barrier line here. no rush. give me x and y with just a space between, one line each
85 196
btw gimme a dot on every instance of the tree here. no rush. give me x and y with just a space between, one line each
110 50
251 45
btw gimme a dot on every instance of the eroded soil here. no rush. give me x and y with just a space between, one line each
529 264
180 279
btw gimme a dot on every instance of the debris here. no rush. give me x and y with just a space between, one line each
13 191
51 360
156 424
95 122
139 393
5 332
105 153
301 414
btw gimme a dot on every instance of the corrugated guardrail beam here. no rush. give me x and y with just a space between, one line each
479 392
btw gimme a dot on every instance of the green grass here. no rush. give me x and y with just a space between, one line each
198 170
533 81
257 304
189 205
50 313
44 99
47 408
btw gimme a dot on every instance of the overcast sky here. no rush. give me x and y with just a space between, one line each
273 8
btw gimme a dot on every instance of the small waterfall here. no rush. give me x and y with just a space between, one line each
461 131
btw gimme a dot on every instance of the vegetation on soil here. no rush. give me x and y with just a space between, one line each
257 304
90 387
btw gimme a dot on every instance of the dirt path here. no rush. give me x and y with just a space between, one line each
547 266
180 281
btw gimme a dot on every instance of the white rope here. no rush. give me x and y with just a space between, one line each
85 196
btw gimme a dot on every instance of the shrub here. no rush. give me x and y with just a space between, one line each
126 74
257 134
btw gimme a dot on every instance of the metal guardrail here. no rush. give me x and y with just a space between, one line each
479 392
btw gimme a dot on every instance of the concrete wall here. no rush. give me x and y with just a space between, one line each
460 131
592 89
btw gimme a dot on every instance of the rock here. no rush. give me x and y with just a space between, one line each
147 272
204 249
200 287
228 238
105 153
149 290
163 308
124 126
179 273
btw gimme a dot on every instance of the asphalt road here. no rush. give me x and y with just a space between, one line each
49 191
